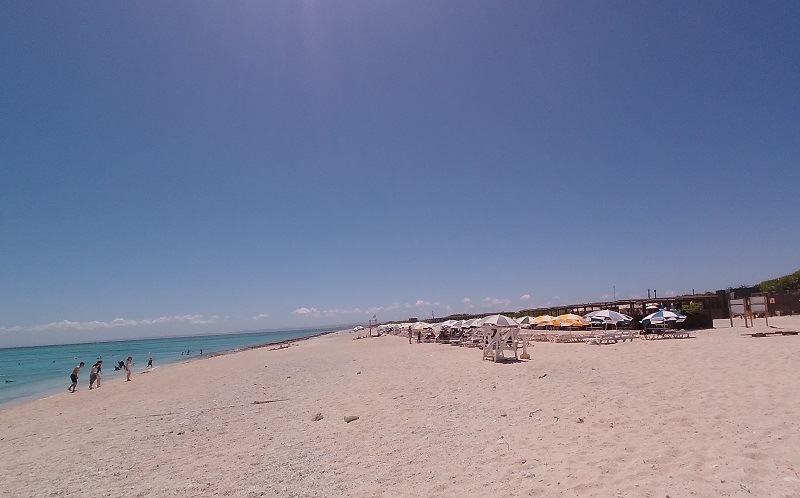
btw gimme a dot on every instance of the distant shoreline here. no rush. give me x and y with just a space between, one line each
259 346
38 372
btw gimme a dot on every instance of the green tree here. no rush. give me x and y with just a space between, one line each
692 307
786 283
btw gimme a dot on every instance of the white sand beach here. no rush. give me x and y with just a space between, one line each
714 415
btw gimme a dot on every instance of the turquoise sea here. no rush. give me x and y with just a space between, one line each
40 371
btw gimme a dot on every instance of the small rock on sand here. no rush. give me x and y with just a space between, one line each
350 418
317 417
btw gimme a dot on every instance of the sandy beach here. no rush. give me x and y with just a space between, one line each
714 415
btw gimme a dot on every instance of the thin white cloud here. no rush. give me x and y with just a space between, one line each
497 302
306 311
422 304
115 323
526 297
467 300
261 316
338 311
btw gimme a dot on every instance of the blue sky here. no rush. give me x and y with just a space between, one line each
196 167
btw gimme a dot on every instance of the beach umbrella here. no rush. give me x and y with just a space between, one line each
526 321
570 320
663 316
475 322
607 316
500 321
447 323
419 325
543 320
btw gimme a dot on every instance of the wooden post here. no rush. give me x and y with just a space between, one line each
524 355
746 309
730 312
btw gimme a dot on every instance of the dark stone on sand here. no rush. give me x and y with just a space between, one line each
350 418
317 417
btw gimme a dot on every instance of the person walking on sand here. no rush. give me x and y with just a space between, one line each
93 375
74 377
409 334
150 362
128 365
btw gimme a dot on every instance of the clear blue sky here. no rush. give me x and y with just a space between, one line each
195 167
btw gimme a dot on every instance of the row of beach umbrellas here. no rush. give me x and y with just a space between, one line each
602 317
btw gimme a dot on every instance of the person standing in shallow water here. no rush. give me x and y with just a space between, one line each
74 377
128 365
99 371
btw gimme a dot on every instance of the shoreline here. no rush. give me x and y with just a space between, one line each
275 343
55 391
714 415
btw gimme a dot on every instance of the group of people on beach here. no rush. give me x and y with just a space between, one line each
96 373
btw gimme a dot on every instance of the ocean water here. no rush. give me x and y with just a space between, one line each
40 371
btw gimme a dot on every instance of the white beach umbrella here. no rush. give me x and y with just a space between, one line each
500 321
474 322
526 321
608 316
663 316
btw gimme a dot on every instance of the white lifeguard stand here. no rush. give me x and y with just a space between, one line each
496 340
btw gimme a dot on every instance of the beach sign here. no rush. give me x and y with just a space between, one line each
736 308
758 304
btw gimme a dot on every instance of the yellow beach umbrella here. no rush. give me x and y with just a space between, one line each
543 320
571 320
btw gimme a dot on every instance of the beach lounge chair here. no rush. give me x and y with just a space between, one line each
609 337
665 333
